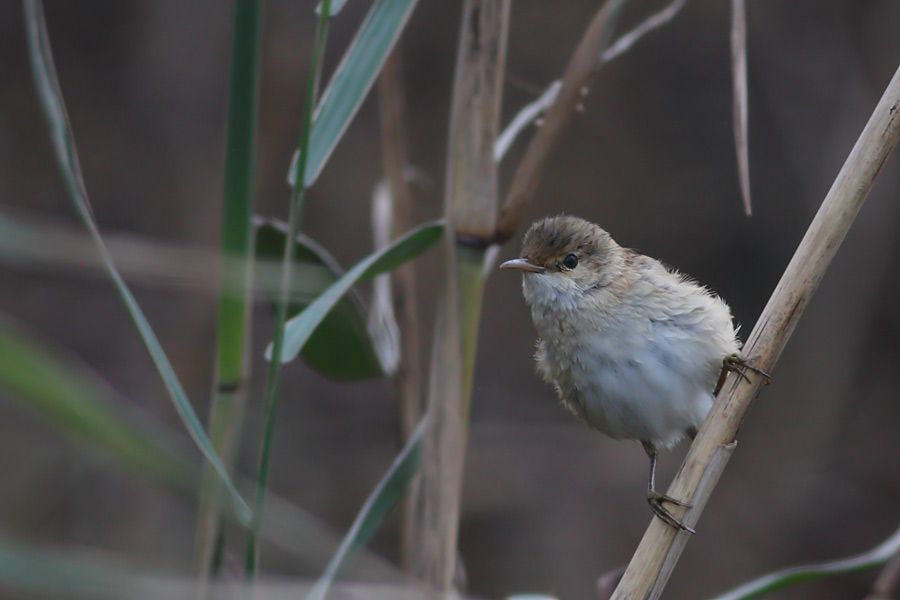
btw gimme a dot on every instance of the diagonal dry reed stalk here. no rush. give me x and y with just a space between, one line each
580 72
595 49
659 550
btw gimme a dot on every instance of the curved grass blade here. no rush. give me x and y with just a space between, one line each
761 586
352 80
51 99
298 330
383 498
342 346
81 406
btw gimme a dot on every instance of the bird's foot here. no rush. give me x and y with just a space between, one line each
735 363
655 500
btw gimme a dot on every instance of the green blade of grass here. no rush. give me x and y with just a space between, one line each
295 210
352 80
81 405
342 346
233 325
298 330
384 497
761 586
51 99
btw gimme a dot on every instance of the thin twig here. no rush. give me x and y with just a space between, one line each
739 92
654 21
580 72
593 51
531 111
659 550
525 117
295 209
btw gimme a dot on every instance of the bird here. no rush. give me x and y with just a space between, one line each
634 349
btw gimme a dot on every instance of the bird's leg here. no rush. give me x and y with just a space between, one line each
735 363
655 499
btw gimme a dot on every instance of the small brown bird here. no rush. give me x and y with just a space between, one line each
633 349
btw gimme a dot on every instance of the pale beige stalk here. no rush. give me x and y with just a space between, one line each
471 207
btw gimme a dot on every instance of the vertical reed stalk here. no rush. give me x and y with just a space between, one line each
471 209
659 550
233 325
408 380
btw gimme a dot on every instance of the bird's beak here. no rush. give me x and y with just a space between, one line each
522 264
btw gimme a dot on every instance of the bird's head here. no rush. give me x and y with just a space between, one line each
564 259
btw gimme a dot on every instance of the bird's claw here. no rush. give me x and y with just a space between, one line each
735 363
655 500
654 496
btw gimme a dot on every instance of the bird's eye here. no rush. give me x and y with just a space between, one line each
570 262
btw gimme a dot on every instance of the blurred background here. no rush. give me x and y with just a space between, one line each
548 504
